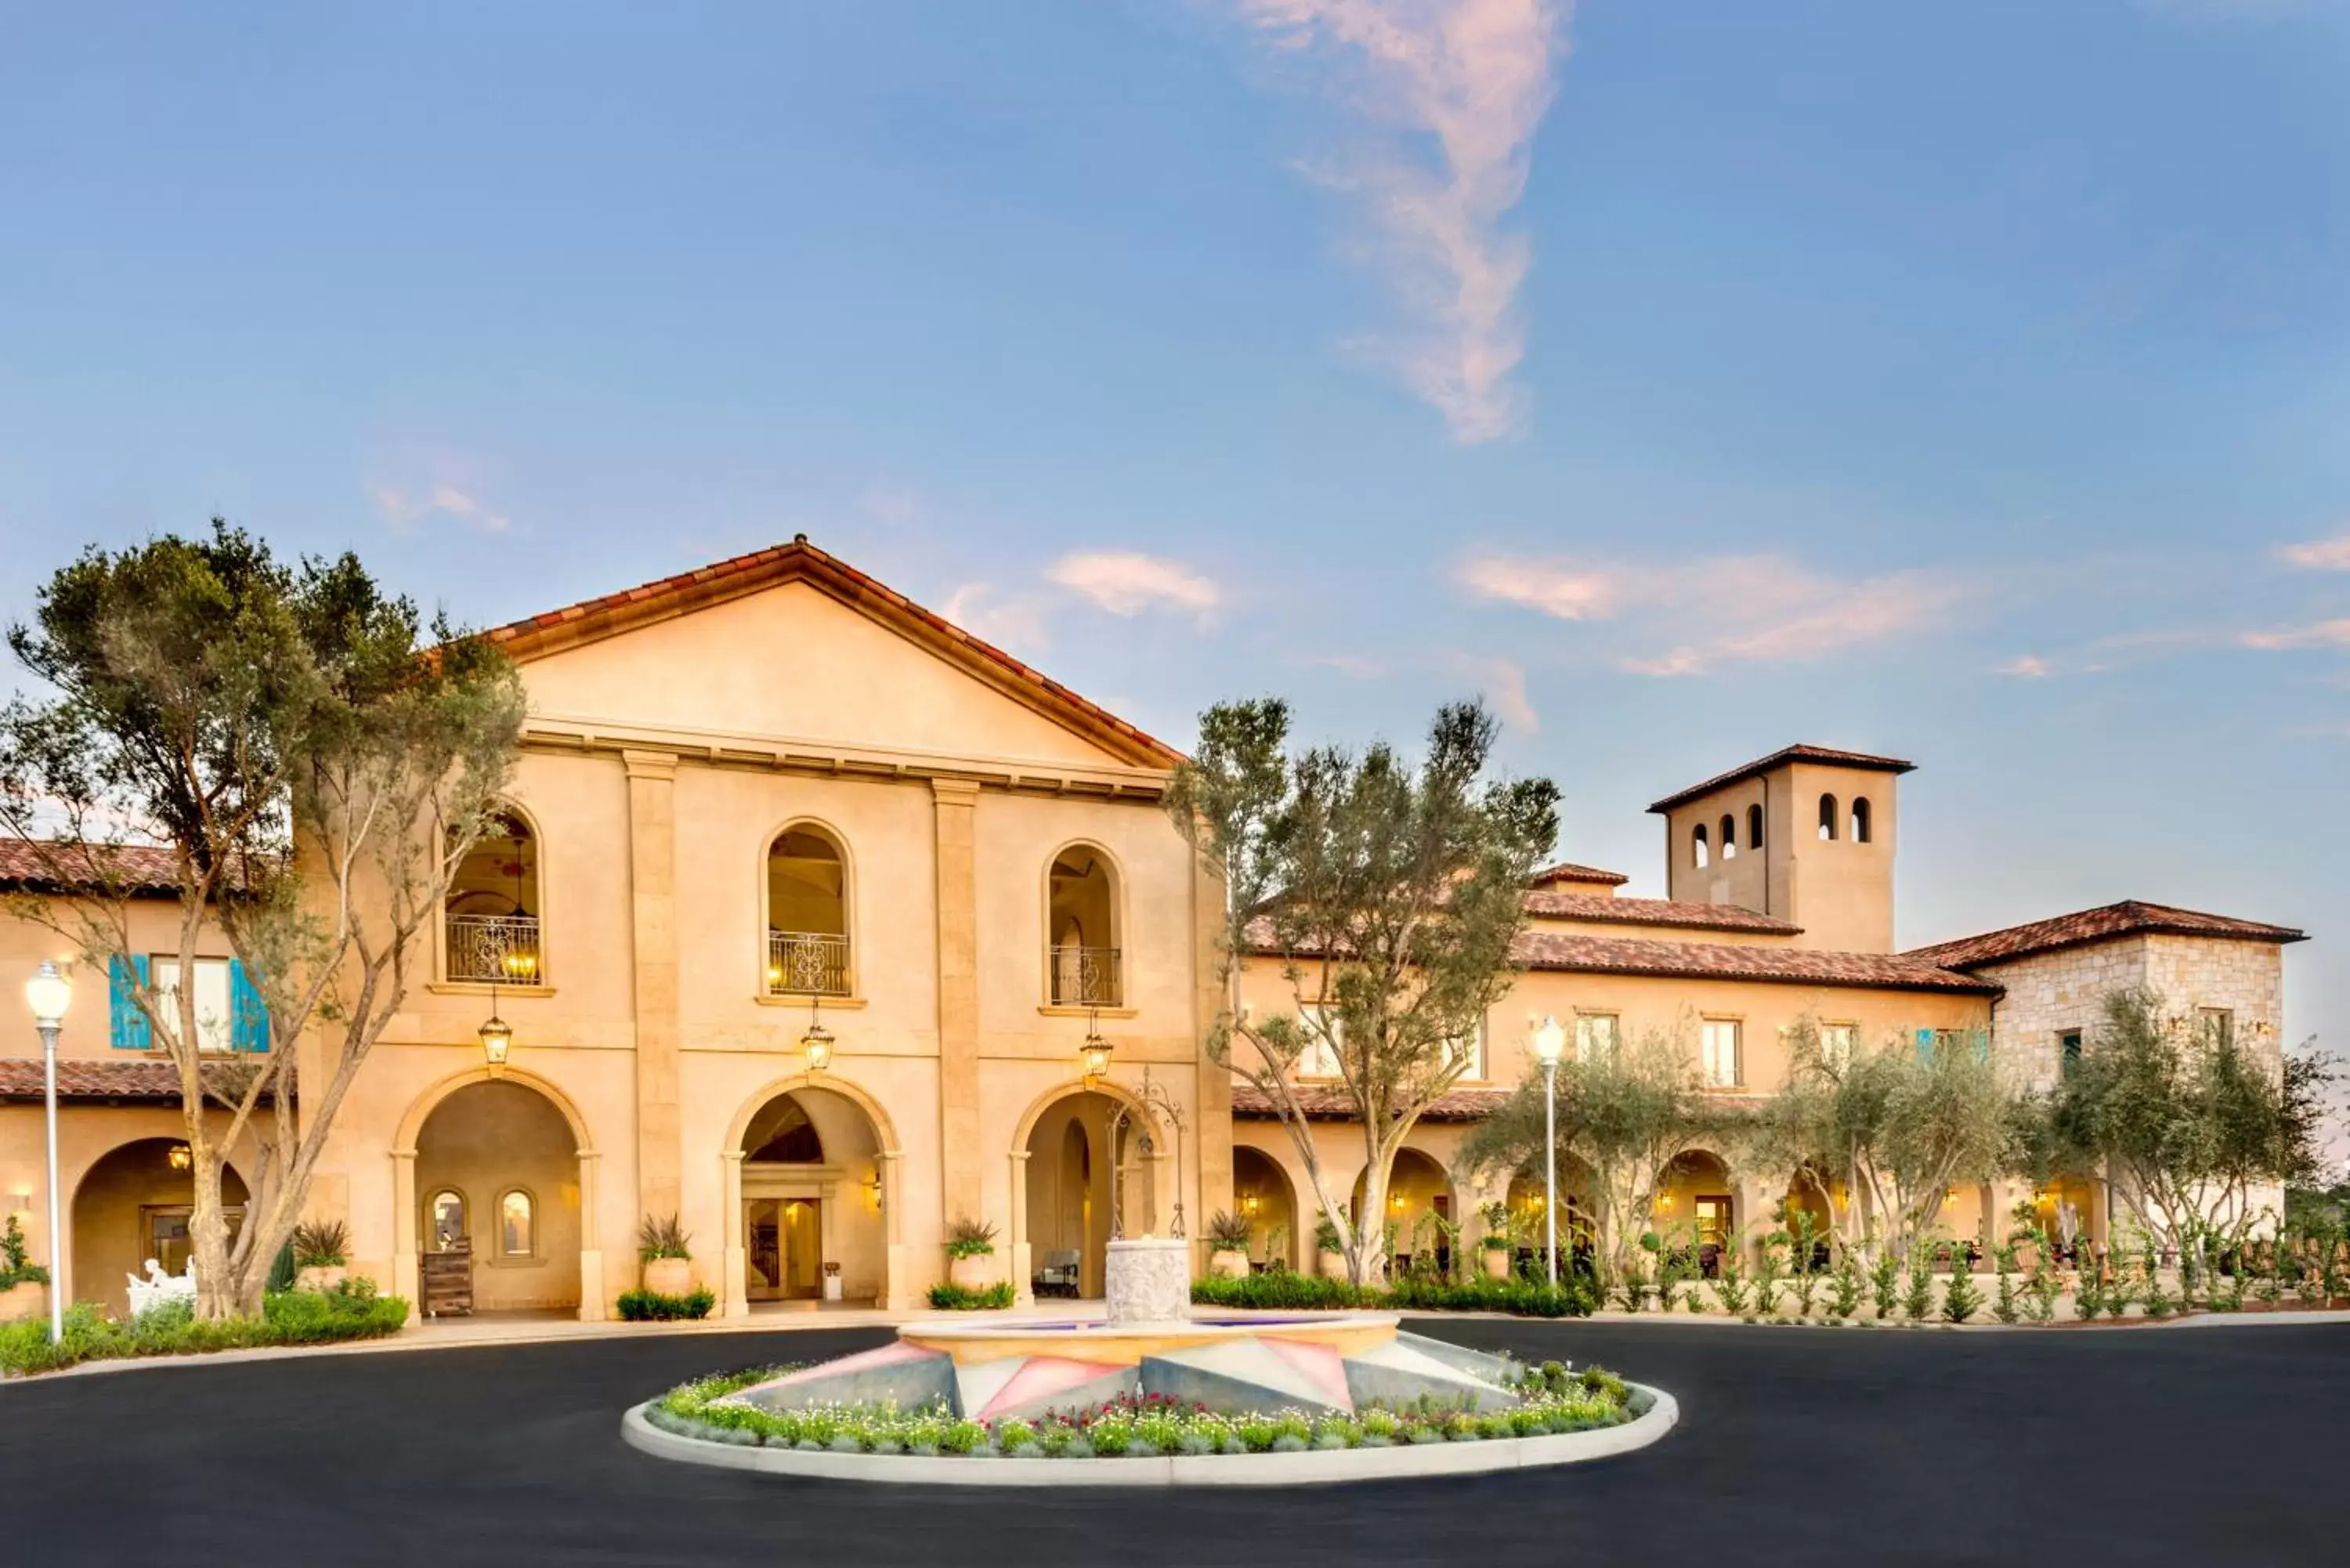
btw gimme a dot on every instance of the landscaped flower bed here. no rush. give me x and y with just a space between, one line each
350 1310
1286 1290
1556 1399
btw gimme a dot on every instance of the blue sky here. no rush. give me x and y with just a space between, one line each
1689 376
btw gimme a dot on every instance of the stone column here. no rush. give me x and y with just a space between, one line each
894 1294
592 1295
652 882
735 1290
958 895
405 1281
1023 1288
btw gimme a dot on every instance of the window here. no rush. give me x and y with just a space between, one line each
1860 819
1931 1042
1697 846
1594 1036
1838 1043
1755 827
1318 1058
2217 1024
1082 961
1827 816
1729 837
517 1232
2068 1048
807 915
216 988
1720 1052
445 1221
1472 1048
492 933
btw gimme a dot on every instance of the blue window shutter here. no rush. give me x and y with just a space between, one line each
1982 1044
1924 1044
126 1026
248 1014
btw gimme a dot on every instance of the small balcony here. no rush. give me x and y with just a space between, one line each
1085 976
806 963
496 949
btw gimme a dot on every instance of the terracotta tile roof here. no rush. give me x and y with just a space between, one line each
143 869
140 1078
1654 912
1568 871
1333 1105
1559 950
1795 753
2131 916
799 561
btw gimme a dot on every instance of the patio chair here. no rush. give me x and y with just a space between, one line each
1058 1275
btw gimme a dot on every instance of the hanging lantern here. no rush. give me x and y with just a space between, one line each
497 1037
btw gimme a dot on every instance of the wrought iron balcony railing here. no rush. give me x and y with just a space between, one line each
806 963
499 948
1085 976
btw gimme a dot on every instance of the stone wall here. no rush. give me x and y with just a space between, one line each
2049 994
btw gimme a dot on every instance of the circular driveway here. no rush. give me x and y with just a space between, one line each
1813 1446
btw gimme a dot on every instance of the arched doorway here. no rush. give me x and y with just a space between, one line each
1578 1217
498 1181
1694 1205
1420 1196
1072 1177
492 932
1081 917
134 1204
811 1200
1263 1196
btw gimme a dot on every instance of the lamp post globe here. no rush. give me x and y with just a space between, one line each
49 995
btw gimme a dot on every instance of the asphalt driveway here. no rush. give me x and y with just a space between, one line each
2222 1446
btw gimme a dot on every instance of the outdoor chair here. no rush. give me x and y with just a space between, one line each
1058 1275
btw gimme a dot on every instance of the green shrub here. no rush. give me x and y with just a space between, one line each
971 1239
15 1268
351 1311
661 1236
947 1297
1961 1298
320 1244
652 1306
1310 1292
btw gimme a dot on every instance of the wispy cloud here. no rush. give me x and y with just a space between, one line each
2316 634
406 508
2318 555
1009 621
1473 78
1724 609
1125 583
2027 666
1503 683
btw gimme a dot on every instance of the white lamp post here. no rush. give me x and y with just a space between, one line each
1550 1044
48 995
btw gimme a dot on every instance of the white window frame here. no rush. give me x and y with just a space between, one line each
1316 1058
215 1031
1588 1041
1476 1051
1708 1052
1839 1043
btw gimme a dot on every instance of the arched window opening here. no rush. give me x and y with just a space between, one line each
492 907
1753 827
517 1225
1083 959
1697 856
1860 819
1729 837
807 916
1827 816
445 1221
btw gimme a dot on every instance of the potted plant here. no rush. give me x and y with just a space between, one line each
970 1244
321 1254
22 1281
1227 1245
1498 1243
667 1261
1331 1255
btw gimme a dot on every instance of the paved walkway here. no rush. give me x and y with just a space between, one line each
1797 1446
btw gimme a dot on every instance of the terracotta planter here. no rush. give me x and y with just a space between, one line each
976 1274
30 1299
1334 1265
669 1276
1228 1264
1497 1262
320 1277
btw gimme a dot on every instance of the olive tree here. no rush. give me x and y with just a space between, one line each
1389 897
278 748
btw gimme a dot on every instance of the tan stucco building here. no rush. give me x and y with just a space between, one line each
773 800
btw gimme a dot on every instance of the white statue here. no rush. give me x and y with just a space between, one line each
159 1287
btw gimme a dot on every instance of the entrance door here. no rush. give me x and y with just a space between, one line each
784 1248
163 1231
1712 1233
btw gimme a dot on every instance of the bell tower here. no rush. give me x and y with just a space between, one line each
1806 834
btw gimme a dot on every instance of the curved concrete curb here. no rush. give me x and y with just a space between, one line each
1313 1468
